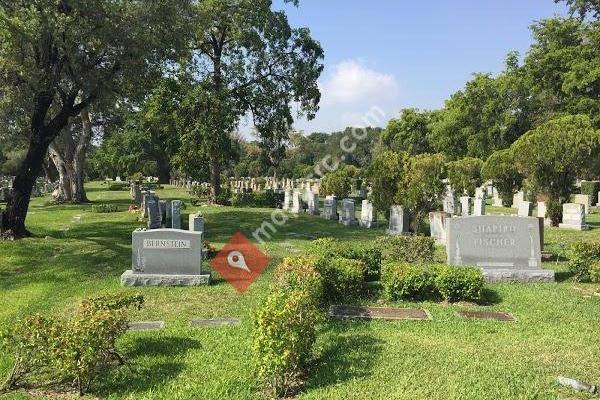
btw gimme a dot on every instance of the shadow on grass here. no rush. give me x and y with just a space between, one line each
150 363
489 297
563 276
349 354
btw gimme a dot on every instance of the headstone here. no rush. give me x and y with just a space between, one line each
348 216
465 205
313 203
136 193
525 209
517 199
542 212
585 200
162 206
437 225
399 221
196 223
505 248
287 199
497 200
296 202
154 219
168 222
574 217
330 208
479 207
480 193
368 215
176 214
449 202
165 257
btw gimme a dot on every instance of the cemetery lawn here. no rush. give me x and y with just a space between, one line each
78 253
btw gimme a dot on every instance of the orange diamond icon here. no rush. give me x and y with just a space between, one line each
240 262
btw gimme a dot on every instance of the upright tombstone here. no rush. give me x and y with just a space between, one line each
287 199
449 202
585 200
465 205
437 225
525 209
497 200
368 215
154 219
165 257
517 199
176 214
574 217
330 208
480 192
196 223
542 212
162 206
168 222
313 203
479 207
348 216
505 248
296 202
136 193
399 223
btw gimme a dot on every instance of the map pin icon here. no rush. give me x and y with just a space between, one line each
235 259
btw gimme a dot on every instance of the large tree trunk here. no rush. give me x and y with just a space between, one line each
215 180
16 209
68 153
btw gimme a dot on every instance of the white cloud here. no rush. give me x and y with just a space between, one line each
350 82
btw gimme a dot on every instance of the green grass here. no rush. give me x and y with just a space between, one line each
78 253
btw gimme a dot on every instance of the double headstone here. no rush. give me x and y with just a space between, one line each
505 248
574 217
368 215
399 221
165 257
348 216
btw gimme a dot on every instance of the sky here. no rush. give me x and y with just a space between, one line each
385 55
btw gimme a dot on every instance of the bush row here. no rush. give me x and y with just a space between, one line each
405 281
266 199
584 261
105 208
51 349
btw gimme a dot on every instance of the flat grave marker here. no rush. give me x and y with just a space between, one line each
486 315
383 313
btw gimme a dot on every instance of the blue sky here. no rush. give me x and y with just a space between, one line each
393 54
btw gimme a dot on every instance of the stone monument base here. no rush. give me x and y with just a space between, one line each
130 279
493 275
368 224
574 227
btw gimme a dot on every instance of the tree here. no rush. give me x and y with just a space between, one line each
465 175
409 132
58 57
421 186
246 59
554 154
583 7
384 174
500 168
338 182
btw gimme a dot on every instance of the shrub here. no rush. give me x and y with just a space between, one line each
116 186
223 198
338 182
50 349
409 249
267 199
459 283
343 278
591 188
368 253
284 333
581 256
105 208
404 281
500 168
300 273
594 270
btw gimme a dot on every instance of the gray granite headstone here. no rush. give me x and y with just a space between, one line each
162 205
348 216
176 214
399 223
168 223
165 257
368 215
574 217
154 218
449 201
196 223
313 203
330 208
506 248
136 193
465 205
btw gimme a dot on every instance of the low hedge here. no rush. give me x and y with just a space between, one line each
300 273
53 350
267 199
582 255
410 249
105 208
591 188
343 278
405 281
116 186
368 253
